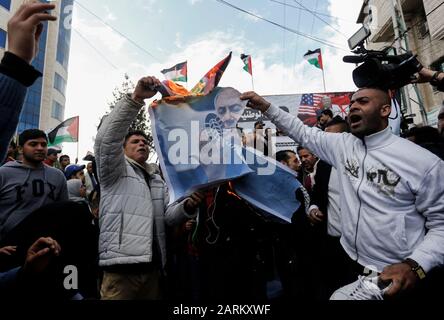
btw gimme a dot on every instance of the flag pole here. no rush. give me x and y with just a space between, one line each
78 135
323 79
252 81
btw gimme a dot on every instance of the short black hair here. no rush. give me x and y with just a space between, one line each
284 155
327 112
303 148
338 121
135 133
63 157
425 134
31 134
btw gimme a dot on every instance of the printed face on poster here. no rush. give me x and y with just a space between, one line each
197 140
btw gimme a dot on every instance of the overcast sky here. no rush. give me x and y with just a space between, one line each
202 32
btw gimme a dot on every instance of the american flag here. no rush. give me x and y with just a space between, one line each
309 104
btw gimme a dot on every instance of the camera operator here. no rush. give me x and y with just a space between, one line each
435 78
441 120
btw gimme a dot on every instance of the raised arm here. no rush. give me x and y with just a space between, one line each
16 72
108 146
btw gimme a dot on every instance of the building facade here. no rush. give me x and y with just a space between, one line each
44 107
424 30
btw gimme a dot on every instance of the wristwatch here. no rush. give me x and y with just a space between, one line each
434 82
416 268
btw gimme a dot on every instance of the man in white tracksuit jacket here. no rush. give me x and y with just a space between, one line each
392 197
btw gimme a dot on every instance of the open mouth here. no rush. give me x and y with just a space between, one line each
355 120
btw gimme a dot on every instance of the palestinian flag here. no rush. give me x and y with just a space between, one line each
177 73
248 65
212 78
67 131
315 58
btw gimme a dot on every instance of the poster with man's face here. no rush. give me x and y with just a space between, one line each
197 140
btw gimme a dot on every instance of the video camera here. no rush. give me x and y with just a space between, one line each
378 68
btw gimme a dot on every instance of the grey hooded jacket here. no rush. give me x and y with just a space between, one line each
129 206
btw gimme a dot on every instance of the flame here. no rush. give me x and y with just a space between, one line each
231 192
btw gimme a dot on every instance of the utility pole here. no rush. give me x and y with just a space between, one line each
402 46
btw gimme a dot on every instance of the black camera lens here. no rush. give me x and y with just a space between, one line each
369 74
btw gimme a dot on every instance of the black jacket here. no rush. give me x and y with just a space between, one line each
320 189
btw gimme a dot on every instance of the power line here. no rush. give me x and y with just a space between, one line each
95 49
313 23
315 11
317 16
297 42
117 31
285 45
322 41
436 8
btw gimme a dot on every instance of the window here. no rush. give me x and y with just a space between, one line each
59 84
2 38
6 4
57 111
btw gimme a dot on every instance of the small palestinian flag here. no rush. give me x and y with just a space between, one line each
248 65
315 58
67 131
212 78
177 73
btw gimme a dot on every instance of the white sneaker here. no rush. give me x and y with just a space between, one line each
365 288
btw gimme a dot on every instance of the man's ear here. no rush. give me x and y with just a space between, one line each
386 110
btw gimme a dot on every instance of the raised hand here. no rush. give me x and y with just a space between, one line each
25 28
146 88
255 101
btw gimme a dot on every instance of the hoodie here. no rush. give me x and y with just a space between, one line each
24 190
74 186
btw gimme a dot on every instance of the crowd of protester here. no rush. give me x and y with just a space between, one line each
375 209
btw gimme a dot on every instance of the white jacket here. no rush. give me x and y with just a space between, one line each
392 197
130 208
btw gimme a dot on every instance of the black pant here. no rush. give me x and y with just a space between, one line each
70 224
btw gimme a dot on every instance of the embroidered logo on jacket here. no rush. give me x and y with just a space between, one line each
383 179
352 168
